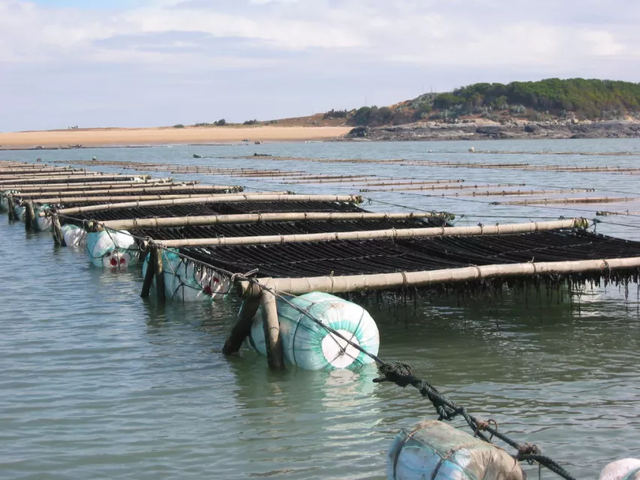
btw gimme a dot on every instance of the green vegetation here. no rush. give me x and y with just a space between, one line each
537 101
592 99
251 122
331 114
178 125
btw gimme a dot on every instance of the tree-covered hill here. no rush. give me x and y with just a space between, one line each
549 99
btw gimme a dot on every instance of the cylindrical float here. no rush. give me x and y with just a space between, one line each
112 249
188 282
312 347
44 224
19 211
74 236
438 451
625 469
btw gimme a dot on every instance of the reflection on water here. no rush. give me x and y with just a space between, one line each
97 383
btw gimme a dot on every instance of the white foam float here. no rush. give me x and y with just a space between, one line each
74 236
187 282
112 249
44 224
626 469
438 451
309 345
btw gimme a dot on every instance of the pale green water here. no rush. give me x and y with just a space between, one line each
96 383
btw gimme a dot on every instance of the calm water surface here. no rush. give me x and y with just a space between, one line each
97 383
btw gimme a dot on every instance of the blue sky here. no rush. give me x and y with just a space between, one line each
162 62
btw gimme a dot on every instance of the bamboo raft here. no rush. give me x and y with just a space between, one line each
299 244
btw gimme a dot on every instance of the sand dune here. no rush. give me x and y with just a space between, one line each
159 136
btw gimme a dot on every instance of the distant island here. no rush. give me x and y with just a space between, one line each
547 109
551 108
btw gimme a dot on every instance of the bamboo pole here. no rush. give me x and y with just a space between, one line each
242 328
222 198
259 217
271 326
44 187
62 178
36 171
202 190
392 281
38 175
506 193
149 274
159 273
380 234
446 187
29 216
118 199
546 201
626 212
11 205
56 230
413 182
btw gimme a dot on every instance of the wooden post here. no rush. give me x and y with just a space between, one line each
159 271
242 328
11 208
271 325
58 237
148 278
30 217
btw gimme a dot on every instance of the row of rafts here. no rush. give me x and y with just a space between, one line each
431 450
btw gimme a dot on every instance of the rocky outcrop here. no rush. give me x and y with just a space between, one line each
514 130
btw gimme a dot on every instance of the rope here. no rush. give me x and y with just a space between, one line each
402 375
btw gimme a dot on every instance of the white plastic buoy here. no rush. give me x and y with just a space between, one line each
188 282
626 469
74 236
471 150
437 451
20 211
309 345
112 249
45 224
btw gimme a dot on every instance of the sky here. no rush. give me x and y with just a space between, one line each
133 63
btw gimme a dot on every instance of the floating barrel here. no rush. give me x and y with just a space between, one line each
44 224
19 210
437 451
4 202
112 249
309 345
74 236
626 469
187 282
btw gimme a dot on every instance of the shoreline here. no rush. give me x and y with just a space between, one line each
149 137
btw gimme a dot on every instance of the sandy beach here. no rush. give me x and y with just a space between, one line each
166 135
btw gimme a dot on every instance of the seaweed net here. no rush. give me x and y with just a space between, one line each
280 228
434 253
224 208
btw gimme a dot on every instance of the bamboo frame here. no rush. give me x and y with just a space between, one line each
258 217
392 281
271 327
115 199
44 187
37 175
72 177
379 234
445 187
222 198
546 201
133 190
506 193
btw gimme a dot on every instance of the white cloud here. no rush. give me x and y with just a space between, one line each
336 48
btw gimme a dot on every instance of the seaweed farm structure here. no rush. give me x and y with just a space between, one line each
285 256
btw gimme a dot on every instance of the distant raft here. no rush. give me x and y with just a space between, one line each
312 347
187 282
438 451
112 249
